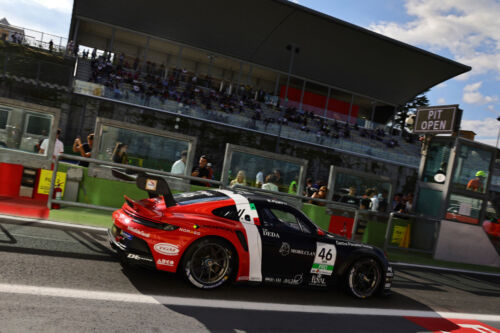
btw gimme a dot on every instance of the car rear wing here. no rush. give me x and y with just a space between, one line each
155 186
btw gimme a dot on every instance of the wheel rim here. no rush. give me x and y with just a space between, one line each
209 263
365 278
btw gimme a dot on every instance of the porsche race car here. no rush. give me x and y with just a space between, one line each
216 236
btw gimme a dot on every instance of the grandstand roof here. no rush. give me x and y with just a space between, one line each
332 52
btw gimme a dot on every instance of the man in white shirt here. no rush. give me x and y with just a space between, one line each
180 165
58 147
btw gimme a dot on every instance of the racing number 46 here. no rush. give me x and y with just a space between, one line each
328 256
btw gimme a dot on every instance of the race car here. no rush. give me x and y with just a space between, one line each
216 236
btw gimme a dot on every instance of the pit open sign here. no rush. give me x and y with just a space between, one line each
437 119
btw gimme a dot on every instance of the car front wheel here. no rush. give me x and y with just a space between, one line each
364 277
208 263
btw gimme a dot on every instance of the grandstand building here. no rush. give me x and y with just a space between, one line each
265 73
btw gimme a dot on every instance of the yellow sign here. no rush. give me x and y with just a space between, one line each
46 179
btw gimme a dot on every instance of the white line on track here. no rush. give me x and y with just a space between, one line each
225 304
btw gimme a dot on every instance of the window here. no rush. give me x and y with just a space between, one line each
472 168
286 218
228 212
22 129
142 149
253 170
38 125
437 162
464 209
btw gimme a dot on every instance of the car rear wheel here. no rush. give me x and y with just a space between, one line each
208 263
363 277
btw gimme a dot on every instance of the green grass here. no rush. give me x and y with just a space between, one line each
403 256
84 216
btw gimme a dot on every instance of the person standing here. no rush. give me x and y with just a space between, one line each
201 171
58 147
179 166
477 184
85 149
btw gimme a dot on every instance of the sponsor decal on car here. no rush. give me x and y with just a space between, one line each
285 250
297 279
189 231
324 259
317 280
164 262
167 249
273 279
354 244
276 202
139 232
138 257
268 233
151 184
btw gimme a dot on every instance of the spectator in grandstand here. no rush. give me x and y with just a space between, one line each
409 203
320 194
269 184
350 198
201 171
120 153
398 204
58 147
179 166
310 189
382 201
84 149
94 54
365 201
277 177
374 200
51 46
292 188
239 180
259 179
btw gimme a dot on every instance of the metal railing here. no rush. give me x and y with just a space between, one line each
38 39
329 205
111 164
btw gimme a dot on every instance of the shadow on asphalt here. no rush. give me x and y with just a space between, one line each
92 245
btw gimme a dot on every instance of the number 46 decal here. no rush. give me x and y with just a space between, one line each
325 259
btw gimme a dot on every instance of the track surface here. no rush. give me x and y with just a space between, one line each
66 279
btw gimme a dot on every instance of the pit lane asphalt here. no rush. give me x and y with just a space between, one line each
73 259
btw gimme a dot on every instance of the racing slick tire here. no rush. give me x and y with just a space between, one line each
363 277
208 263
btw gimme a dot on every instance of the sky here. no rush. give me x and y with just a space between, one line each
463 30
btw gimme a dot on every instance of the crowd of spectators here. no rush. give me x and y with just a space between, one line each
126 77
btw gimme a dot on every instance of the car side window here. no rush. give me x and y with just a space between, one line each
289 219
227 212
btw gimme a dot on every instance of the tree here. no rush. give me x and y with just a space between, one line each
408 109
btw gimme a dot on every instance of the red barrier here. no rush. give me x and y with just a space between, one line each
10 179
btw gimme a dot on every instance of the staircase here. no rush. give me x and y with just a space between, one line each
84 70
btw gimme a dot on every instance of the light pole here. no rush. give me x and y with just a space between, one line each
498 135
293 49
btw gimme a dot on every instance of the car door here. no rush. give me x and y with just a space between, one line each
288 245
